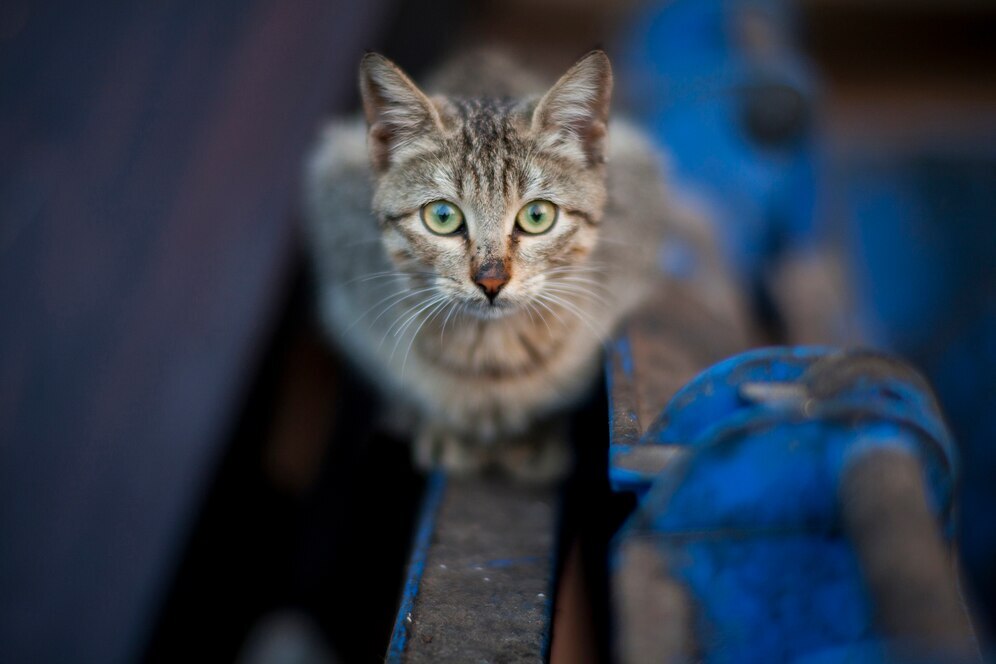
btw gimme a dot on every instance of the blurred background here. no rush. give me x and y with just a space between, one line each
177 476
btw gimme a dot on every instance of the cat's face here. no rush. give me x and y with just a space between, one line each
493 203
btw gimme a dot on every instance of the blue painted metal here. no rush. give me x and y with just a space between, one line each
920 229
696 72
748 518
921 235
435 487
715 394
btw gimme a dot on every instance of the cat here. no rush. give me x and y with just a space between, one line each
475 247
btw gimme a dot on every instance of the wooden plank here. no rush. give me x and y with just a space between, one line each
150 157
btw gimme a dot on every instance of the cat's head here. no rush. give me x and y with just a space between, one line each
494 201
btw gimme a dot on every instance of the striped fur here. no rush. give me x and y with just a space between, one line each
488 381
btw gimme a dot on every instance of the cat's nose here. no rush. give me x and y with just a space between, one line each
491 278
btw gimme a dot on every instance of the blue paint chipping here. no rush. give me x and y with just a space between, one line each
619 351
435 488
748 521
624 480
505 563
715 393
625 354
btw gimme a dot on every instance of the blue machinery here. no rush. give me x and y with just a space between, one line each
794 504
804 515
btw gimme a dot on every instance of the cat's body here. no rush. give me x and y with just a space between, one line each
488 371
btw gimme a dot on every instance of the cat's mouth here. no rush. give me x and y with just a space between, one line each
491 310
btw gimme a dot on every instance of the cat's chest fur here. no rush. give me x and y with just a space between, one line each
485 376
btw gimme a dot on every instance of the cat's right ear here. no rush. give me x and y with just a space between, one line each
574 114
397 111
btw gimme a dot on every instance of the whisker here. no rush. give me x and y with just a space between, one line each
387 274
572 283
398 319
570 271
425 305
398 296
539 301
447 319
529 312
375 275
580 266
400 332
577 312
531 306
432 314
564 302
577 291
573 279
417 291
574 271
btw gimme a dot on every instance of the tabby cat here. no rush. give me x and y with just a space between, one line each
476 246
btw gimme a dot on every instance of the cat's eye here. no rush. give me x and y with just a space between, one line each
537 217
442 217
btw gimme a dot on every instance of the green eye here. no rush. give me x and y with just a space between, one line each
537 216
442 217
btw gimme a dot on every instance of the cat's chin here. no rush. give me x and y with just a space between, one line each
491 311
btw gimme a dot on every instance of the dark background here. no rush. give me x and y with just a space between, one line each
174 459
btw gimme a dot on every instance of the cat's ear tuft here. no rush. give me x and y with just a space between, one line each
575 111
397 112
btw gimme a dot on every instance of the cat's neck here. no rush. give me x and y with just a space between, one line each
518 343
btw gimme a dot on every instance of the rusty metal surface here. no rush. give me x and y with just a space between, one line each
655 611
907 564
481 576
698 317
675 338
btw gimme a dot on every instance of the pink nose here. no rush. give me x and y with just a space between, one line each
491 278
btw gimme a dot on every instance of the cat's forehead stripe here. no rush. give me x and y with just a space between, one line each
488 145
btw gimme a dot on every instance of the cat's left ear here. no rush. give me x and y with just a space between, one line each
574 114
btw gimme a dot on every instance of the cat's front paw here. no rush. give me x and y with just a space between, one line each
540 456
435 448
540 459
